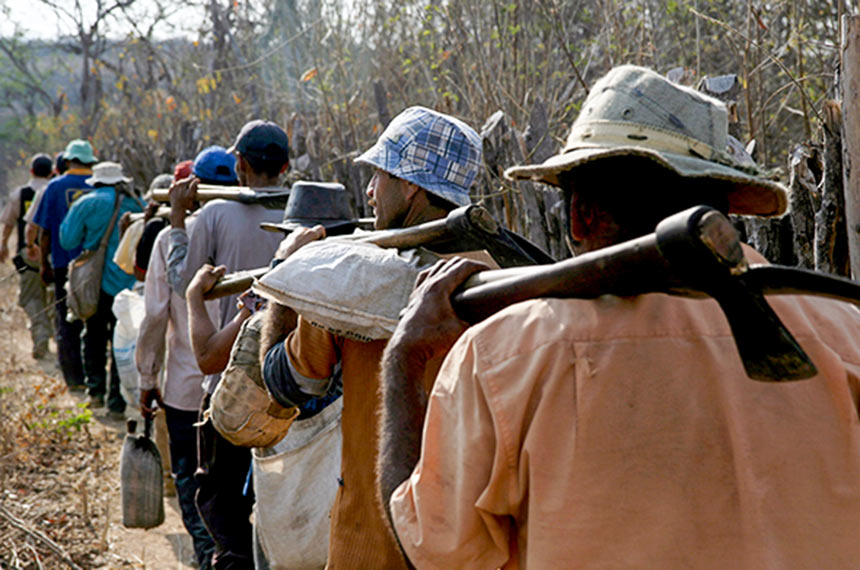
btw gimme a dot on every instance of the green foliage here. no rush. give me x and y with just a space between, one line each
63 422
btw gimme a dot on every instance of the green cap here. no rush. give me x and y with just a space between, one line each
80 150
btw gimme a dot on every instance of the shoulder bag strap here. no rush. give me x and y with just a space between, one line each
117 201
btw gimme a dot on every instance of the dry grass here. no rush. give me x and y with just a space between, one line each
57 464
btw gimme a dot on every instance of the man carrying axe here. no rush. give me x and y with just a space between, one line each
424 164
227 233
623 432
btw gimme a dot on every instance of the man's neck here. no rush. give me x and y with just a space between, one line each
420 211
254 180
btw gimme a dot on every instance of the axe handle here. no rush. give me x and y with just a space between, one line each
781 280
162 212
630 268
405 238
207 192
234 283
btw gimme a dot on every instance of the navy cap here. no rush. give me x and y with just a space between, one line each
216 166
264 140
60 160
41 165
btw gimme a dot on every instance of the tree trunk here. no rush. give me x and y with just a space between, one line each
831 238
851 134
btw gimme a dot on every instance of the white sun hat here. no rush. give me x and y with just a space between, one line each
107 173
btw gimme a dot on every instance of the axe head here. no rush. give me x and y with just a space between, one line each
703 249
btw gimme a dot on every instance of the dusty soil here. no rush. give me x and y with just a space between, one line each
59 469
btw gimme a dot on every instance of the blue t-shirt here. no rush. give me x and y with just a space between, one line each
56 201
86 223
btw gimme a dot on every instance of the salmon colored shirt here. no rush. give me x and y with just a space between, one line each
360 537
623 433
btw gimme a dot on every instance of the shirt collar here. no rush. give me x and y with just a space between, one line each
79 171
37 183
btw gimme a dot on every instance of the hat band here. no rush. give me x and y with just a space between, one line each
616 133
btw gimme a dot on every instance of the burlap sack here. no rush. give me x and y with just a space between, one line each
241 409
352 289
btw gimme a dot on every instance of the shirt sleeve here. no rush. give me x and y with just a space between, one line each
303 366
43 211
190 250
73 227
9 215
453 510
152 336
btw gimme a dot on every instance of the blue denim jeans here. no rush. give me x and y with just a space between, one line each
183 462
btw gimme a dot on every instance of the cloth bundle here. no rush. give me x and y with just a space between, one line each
349 288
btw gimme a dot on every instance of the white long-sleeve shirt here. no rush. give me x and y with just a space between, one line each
165 329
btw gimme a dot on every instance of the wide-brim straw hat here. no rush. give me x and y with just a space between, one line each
107 173
633 111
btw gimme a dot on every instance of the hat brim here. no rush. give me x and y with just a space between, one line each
93 180
376 156
751 195
328 224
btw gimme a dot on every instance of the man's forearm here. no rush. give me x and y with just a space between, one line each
31 234
404 404
278 321
7 231
45 246
200 327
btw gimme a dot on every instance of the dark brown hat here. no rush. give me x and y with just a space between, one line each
313 203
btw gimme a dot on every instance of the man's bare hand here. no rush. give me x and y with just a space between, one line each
429 326
182 194
298 239
46 272
33 253
150 210
204 280
147 399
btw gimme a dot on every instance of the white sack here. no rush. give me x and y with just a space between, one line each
349 288
129 309
295 483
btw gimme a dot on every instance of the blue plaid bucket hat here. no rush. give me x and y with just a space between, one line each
434 151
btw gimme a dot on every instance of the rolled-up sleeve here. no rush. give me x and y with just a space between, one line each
152 336
452 512
303 366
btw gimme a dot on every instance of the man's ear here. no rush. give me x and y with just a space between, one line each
285 167
241 163
410 190
581 217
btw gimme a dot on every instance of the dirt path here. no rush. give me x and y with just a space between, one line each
59 469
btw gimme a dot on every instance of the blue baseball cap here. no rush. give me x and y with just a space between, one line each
434 151
264 140
216 166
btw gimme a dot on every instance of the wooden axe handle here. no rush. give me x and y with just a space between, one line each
207 192
630 268
405 238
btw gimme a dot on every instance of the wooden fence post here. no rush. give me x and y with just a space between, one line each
851 134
